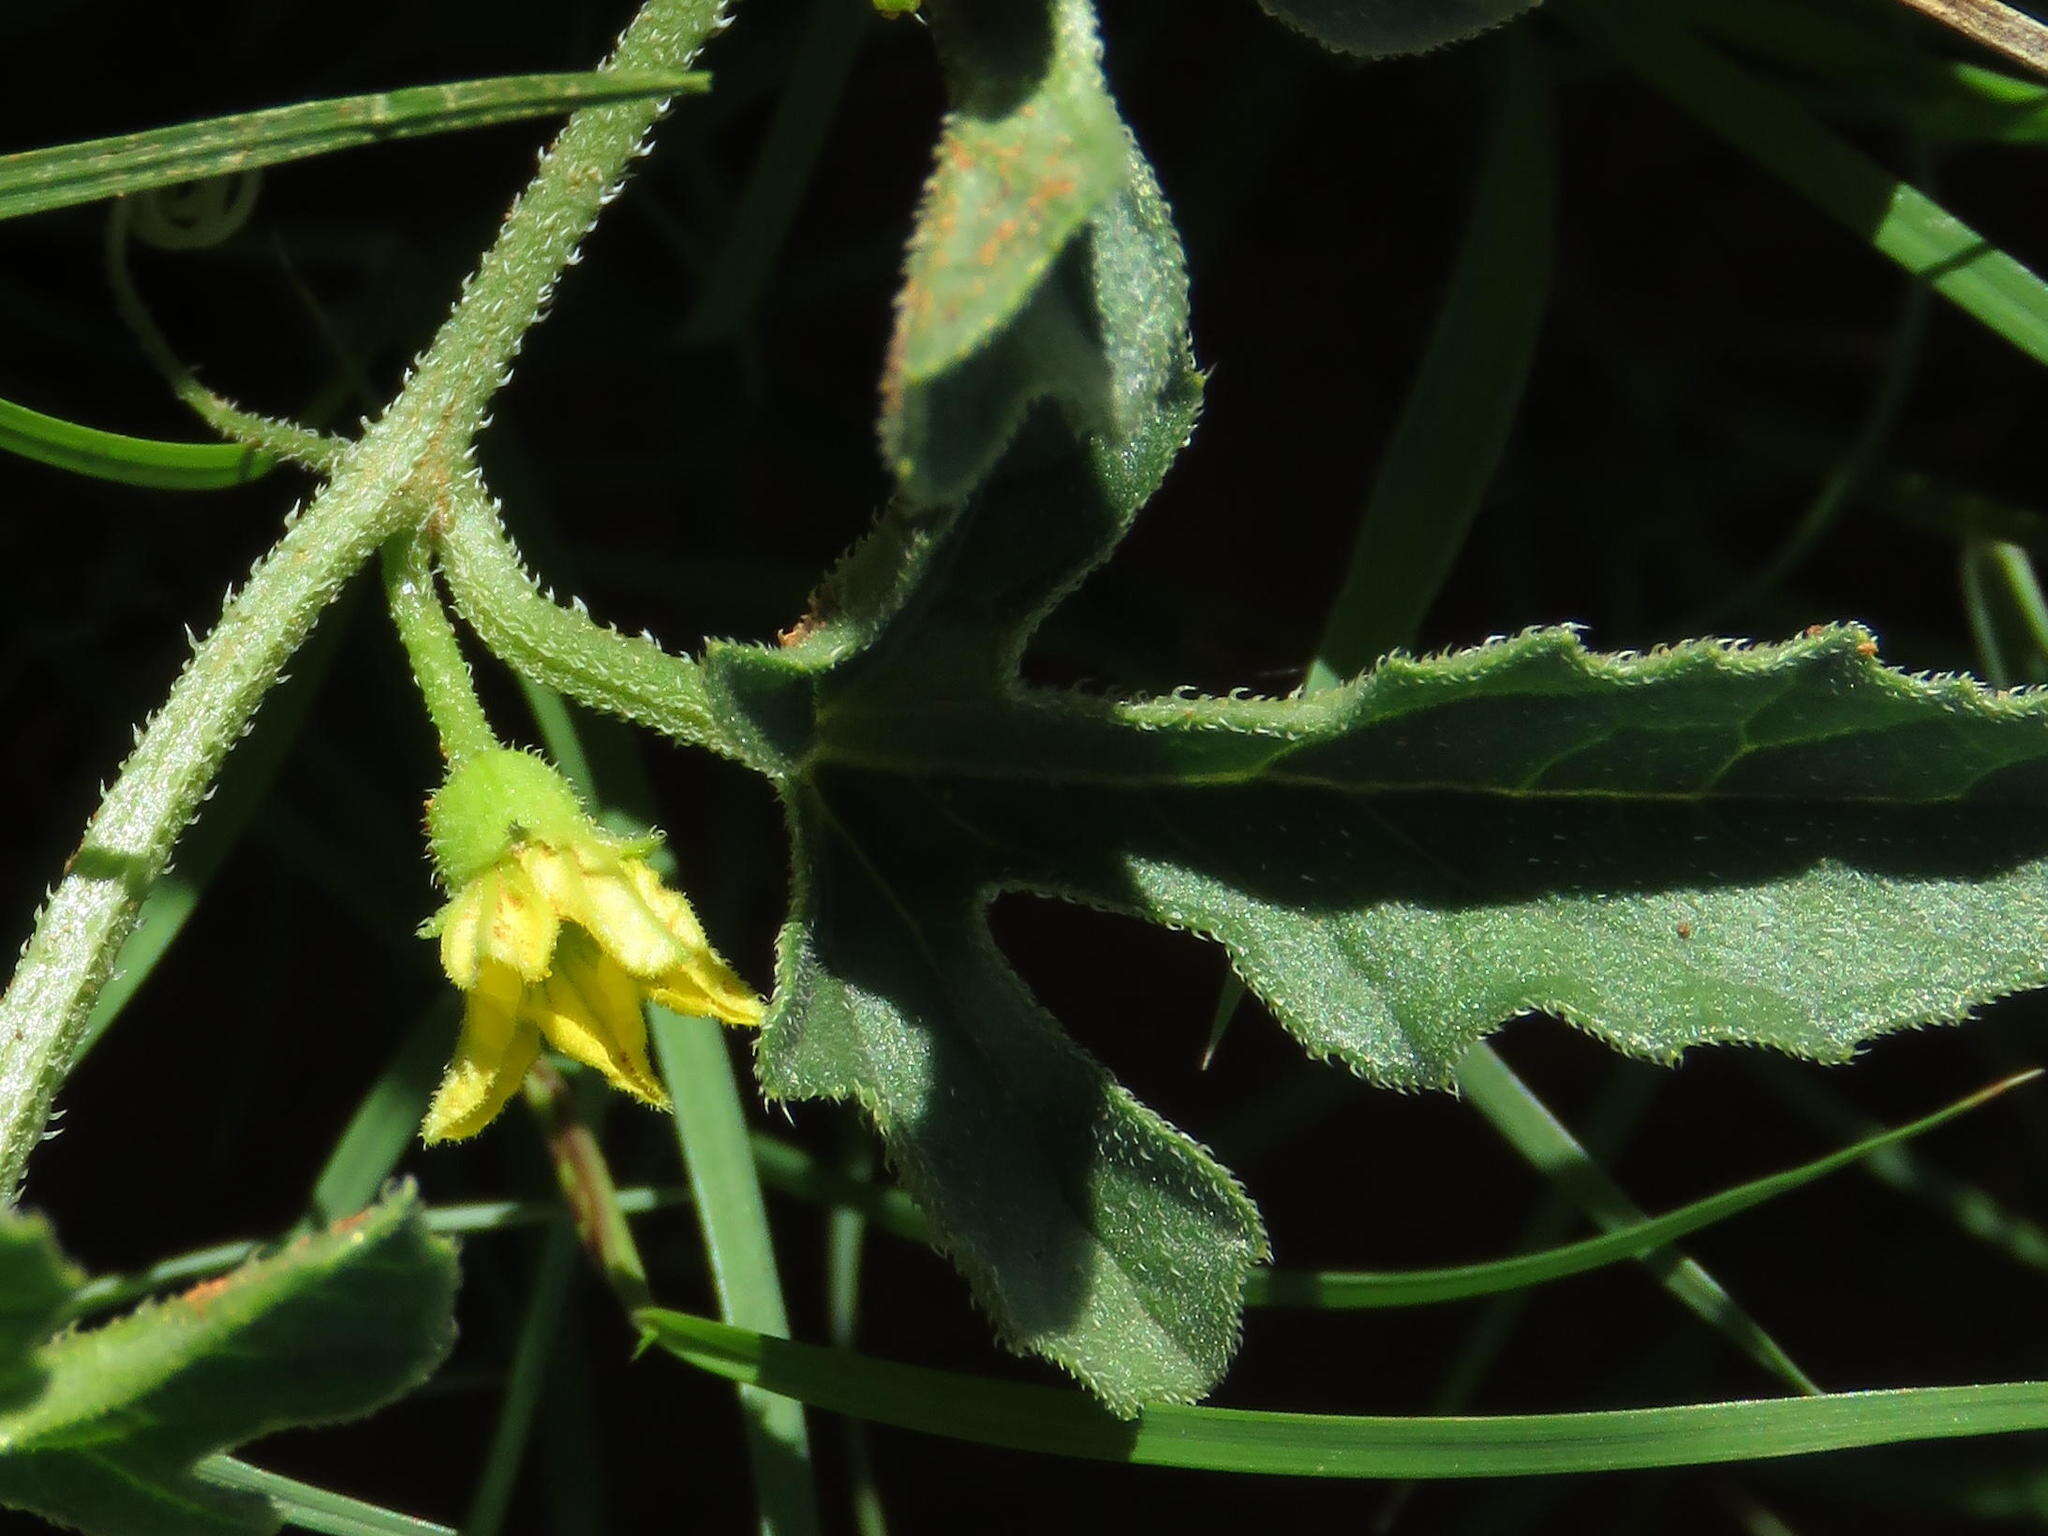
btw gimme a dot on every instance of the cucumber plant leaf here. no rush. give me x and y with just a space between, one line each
1784 845
1377 28
100 1429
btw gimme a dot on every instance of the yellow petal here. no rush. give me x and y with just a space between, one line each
584 892
684 991
619 918
589 1009
700 983
461 923
520 925
491 1059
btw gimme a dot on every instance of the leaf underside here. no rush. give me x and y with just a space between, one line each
1783 845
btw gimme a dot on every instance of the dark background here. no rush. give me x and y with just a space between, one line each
1711 348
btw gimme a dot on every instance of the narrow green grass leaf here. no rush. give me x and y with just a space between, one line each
386 1121
828 41
712 1130
538 1329
307 1508
38 180
1772 127
142 461
2008 615
986 1412
1881 72
845 1246
1547 1145
1974 1210
1434 473
1338 1290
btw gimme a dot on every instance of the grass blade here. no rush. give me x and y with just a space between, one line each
316 1509
845 1242
1775 130
713 1132
830 37
385 1122
141 461
39 180
1407 1288
1435 472
2008 615
1507 1103
791 1170
1970 1207
529 1370
962 1407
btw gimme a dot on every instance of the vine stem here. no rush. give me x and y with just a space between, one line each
564 648
401 466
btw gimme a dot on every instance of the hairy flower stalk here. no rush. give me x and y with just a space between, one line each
399 470
557 931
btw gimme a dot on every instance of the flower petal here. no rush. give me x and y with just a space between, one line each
461 927
491 1059
610 906
700 984
683 991
520 925
590 1009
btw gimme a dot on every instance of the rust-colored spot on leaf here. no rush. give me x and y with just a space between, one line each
1049 191
992 247
202 1294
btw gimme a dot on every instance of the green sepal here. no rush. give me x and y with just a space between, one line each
494 799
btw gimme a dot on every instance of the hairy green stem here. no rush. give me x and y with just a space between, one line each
404 462
438 665
565 649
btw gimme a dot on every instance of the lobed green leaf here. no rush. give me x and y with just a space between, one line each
102 1428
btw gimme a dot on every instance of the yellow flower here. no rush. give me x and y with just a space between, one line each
557 931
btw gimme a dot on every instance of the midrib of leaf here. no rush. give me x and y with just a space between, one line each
1043 737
